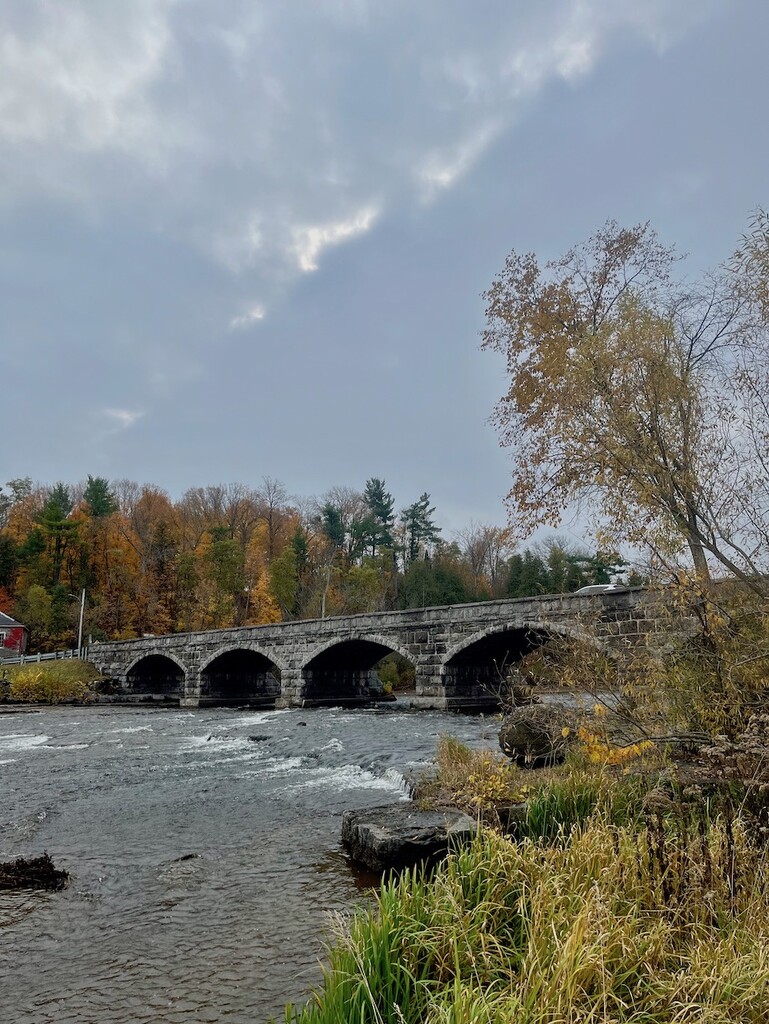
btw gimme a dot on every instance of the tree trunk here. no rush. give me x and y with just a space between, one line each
699 558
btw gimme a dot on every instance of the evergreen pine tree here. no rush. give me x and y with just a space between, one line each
418 526
97 495
381 519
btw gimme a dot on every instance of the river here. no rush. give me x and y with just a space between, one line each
203 848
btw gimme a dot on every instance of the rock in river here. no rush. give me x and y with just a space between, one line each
400 835
537 736
32 873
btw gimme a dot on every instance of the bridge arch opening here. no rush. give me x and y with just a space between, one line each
156 676
484 669
346 672
240 676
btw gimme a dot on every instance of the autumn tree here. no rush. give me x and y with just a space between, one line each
224 571
10 495
284 581
485 549
272 501
34 610
625 393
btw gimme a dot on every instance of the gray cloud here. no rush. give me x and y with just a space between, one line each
234 203
267 133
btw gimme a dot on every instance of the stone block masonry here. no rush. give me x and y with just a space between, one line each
455 650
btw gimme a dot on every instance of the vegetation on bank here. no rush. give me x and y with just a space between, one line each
663 919
485 785
56 682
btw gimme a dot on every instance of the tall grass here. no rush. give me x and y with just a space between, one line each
51 683
614 924
571 797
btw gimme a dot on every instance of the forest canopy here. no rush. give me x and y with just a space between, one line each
225 555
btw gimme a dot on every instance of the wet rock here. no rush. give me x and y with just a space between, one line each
31 873
537 735
400 835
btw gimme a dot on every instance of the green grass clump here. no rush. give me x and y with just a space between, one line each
571 796
53 682
615 924
557 799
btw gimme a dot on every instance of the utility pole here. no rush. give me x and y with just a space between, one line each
80 625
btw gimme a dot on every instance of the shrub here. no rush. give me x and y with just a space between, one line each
396 673
475 780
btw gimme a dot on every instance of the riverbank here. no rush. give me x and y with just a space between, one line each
610 924
616 893
56 682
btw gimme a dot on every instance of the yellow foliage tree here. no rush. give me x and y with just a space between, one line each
625 393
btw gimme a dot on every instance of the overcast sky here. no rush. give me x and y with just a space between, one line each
248 238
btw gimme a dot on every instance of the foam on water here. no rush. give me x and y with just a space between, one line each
278 765
352 776
209 743
23 741
259 717
204 765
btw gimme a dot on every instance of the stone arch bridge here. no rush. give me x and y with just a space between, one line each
456 651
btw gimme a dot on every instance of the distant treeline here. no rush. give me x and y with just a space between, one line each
231 555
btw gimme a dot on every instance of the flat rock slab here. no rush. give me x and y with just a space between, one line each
400 835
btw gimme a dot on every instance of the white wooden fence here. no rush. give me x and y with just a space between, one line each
28 659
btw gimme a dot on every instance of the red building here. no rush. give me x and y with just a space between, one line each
13 637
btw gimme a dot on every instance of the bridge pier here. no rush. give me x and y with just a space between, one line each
191 695
438 689
291 685
327 686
